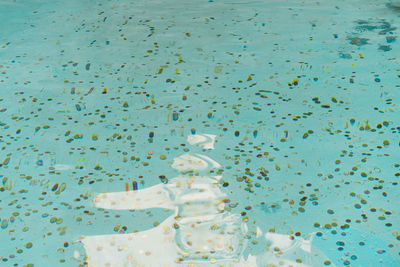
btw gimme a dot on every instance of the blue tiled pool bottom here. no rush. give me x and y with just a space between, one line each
203 133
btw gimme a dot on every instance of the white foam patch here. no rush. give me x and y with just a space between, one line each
213 162
151 248
283 242
154 247
205 141
151 197
196 138
203 192
189 162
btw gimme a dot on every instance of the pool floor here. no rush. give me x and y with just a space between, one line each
199 133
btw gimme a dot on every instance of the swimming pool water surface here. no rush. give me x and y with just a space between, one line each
199 133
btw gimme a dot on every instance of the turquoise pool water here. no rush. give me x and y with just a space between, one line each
199 133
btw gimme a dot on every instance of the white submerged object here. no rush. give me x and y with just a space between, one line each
199 233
